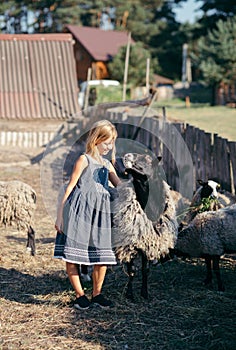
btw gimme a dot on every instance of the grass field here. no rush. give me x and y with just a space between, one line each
219 119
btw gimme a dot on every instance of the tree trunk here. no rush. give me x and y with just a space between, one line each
213 96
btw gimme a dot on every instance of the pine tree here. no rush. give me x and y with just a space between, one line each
52 15
213 11
219 8
11 16
217 54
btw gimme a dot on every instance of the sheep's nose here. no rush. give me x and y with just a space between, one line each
148 159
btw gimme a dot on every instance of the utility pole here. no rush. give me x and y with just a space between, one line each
126 67
186 67
86 98
184 64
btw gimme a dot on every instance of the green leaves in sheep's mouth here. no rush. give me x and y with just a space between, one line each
207 204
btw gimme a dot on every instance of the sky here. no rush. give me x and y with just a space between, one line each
187 13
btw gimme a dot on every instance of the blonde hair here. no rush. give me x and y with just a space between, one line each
100 132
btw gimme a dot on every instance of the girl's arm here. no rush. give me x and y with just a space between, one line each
113 176
79 167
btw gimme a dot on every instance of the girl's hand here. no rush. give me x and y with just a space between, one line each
59 225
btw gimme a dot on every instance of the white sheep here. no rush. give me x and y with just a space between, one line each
17 206
207 198
226 198
210 235
144 218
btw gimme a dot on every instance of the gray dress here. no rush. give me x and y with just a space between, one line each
87 219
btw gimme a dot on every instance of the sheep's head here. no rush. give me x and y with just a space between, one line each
209 189
141 164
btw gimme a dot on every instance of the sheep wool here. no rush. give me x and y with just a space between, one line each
210 233
226 198
134 231
17 204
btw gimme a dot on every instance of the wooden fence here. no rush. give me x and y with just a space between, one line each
188 153
25 139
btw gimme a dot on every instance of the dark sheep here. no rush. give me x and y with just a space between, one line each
144 218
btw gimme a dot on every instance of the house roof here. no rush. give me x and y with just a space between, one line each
100 44
38 76
160 80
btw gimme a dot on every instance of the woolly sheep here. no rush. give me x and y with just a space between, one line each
206 198
226 198
210 235
17 206
181 204
144 219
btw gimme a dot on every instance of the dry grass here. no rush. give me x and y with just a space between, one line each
36 298
220 120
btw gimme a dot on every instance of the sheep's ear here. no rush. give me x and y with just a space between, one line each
156 161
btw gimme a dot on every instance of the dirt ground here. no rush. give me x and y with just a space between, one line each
36 298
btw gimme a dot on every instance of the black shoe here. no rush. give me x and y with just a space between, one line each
82 303
99 300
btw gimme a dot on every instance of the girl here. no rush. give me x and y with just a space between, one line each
83 221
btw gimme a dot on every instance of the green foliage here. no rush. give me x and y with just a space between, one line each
11 10
206 204
137 65
217 53
141 18
49 15
153 23
213 11
62 12
167 39
108 94
220 8
167 46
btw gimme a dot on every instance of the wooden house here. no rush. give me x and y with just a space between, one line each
94 48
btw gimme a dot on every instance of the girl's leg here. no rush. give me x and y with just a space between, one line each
99 272
73 274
